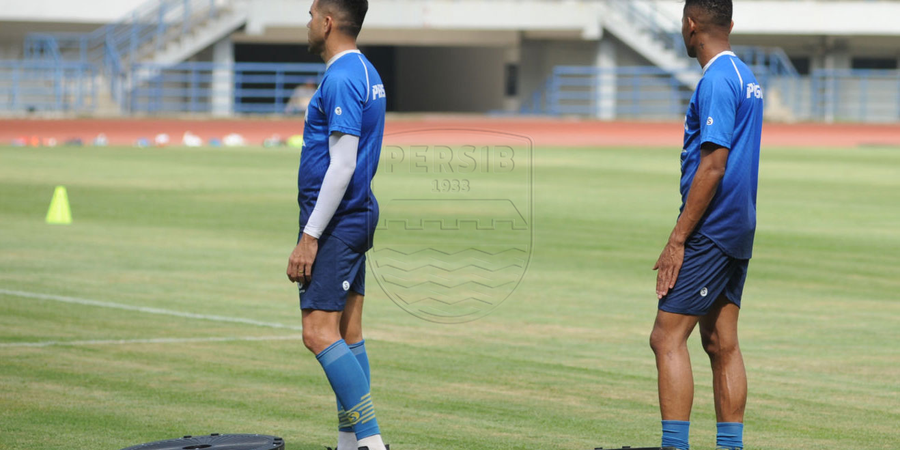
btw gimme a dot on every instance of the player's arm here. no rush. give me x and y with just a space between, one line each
713 161
342 148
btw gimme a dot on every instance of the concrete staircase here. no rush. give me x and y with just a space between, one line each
181 46
159 32
653 34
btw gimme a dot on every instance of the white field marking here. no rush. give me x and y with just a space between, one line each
295 337
148 310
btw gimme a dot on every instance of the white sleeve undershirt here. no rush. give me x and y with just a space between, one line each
343 149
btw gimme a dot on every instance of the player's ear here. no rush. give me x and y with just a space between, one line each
327 25
731 28
693 25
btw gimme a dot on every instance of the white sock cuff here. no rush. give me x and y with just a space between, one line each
373 442
346 440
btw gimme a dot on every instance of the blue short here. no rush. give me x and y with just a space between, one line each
336 271
707 274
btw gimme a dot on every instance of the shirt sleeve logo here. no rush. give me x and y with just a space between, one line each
338 110
709 121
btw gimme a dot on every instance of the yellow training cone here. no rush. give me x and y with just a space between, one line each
59 212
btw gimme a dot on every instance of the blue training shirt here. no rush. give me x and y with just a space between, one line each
727 110
350 100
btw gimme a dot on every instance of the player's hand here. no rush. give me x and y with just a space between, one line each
299 269
668 265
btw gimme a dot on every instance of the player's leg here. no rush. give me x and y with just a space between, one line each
321 335
351 320
675 378
673 362
323 302
703 277
718 331
351 332
321 329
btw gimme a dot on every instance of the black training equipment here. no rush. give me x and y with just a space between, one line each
216 441
387 446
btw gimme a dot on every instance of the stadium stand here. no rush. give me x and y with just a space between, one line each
609 59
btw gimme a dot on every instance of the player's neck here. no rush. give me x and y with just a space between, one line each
708 50
337 47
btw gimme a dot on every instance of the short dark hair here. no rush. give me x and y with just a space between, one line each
352 14
718 12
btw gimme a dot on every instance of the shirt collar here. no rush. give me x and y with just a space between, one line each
709 64
338 56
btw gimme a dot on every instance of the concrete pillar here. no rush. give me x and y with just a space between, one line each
512 98
223 78
838 59
607 88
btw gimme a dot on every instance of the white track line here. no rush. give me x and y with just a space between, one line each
152 341
148 310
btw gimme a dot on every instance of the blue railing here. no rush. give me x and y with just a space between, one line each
651 93
151 26
135 37
250 88
856 95
199 87
146 29
623 92
27 86
773 60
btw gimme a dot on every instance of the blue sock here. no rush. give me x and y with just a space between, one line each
359 350
730 435
350 385
675 434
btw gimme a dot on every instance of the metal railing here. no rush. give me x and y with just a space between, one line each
197 87
255 88
622 92
30 86
855 95
647 17
775 61
146 29
111 48
653 93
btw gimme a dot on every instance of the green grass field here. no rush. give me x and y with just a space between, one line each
562 364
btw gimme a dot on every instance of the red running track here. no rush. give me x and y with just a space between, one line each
543 132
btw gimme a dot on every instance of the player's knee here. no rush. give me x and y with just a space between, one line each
351 335
309 339
717 347
710 343
314 340
659 341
